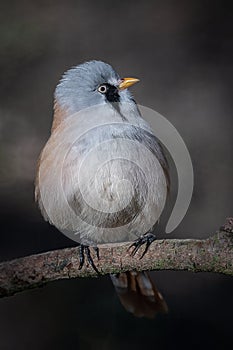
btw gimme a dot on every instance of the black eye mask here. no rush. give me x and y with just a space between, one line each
112 94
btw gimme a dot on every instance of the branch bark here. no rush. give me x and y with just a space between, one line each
214 254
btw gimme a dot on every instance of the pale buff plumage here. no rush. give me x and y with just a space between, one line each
102 176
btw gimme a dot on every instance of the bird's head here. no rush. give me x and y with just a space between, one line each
89 84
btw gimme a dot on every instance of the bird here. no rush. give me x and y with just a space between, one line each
103 177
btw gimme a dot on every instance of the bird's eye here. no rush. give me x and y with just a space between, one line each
102 89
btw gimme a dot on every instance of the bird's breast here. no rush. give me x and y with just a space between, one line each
105 184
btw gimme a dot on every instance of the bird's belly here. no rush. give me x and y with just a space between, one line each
113 193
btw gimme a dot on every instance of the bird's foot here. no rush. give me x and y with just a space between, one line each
84 250
146 239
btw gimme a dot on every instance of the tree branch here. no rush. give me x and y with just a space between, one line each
214 254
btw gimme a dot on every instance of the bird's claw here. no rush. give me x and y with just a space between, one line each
147 239
84 250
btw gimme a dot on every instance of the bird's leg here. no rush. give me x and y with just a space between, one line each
84 250
96 249
147 239
81 256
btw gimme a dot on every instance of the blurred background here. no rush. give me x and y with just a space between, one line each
182 51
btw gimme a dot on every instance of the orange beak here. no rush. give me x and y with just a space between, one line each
127 82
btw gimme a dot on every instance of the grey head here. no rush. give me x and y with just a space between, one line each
92 83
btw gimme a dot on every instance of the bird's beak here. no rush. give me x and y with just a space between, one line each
127 82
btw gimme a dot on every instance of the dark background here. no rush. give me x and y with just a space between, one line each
182 51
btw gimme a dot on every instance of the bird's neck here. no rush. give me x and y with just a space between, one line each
60 114
127 110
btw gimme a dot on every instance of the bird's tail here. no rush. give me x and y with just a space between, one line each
138 294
